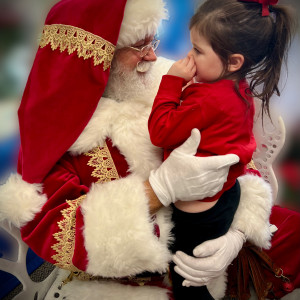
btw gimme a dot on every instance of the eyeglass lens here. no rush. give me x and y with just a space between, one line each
144 51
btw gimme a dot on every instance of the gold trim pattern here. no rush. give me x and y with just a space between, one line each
141 281
73 39
103 163
66 242
66 237
251 165
105 170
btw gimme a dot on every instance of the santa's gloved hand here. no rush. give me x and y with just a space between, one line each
183 176
211 259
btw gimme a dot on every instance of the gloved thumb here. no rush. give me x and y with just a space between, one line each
191 144
208 248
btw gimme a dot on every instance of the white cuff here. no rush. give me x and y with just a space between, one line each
20 201
253 213
119 236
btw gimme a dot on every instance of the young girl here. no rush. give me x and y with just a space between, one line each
232 40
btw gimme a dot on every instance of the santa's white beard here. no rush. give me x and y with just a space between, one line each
124 85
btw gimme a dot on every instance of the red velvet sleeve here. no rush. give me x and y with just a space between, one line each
55 234
170 123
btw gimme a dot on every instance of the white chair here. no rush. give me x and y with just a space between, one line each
15 264
270 137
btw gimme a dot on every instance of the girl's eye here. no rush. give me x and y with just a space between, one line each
197 51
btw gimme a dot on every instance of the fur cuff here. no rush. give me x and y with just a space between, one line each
252 216
20 201
119 233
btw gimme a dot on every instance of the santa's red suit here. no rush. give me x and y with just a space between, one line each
89 213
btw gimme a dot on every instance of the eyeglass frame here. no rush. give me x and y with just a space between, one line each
153 44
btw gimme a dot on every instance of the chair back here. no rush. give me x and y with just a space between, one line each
14 263
270 137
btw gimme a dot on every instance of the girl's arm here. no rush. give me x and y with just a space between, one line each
170 123
167 122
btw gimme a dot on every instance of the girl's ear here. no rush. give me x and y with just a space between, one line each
235 62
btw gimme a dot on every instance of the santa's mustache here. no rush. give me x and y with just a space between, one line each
143 66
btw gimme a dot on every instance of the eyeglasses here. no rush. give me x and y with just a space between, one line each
145 49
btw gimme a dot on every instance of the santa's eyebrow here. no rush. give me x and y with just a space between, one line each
139 43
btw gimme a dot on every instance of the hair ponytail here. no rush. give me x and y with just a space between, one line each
267 73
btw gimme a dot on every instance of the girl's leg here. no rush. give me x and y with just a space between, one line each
191 229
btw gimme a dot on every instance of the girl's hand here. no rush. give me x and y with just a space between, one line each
184 68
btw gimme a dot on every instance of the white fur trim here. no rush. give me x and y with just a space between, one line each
20 200
103 290
217 287
128 130
253 213
141 19
119 239
94 290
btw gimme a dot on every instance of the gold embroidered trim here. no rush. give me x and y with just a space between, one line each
66 237
80 275
73 39
141 281
103 163
251 165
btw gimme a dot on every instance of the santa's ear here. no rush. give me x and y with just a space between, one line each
235 62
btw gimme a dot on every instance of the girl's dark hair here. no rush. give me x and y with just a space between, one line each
232 27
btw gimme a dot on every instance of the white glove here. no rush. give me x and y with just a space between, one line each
183 176
211 259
